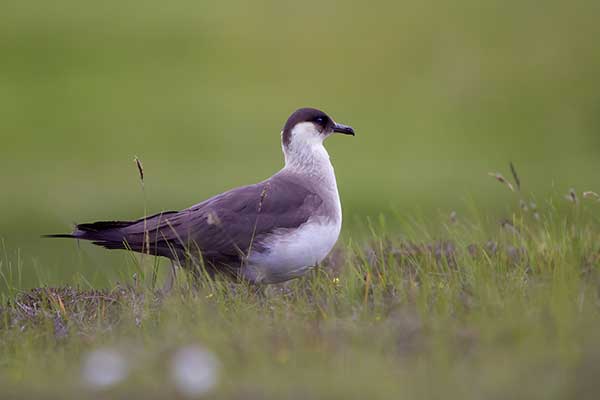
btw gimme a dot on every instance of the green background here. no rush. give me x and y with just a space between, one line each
440 94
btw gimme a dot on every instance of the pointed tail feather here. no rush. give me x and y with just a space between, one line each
87 231
101 233
60 235
115 235
101 226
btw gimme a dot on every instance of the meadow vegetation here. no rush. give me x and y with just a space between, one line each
508 310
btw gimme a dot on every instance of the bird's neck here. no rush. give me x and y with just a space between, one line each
312 163
310 159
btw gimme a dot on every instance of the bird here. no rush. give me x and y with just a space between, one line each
264 233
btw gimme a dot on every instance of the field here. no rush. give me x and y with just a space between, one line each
511 315
445 282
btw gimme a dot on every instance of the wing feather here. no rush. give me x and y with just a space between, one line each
224 227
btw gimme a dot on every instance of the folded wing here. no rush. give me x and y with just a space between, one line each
222 229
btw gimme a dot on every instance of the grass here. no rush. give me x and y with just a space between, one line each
473 310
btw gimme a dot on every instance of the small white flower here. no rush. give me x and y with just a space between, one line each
195 370
103 368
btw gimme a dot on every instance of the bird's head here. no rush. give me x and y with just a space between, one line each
309 126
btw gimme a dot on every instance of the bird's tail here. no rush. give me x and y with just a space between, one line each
130 235
60 235
109 234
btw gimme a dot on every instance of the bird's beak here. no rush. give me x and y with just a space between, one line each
341 128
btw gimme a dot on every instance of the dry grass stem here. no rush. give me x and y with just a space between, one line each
513 171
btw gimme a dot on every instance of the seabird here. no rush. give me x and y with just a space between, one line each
264 233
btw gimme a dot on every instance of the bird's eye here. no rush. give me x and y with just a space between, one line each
320 120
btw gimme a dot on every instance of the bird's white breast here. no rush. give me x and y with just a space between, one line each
291 252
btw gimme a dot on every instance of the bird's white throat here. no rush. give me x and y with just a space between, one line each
306 154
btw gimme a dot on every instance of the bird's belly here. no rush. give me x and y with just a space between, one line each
290 253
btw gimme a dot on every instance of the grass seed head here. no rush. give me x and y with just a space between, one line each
509 227
591 195
213 219
498 176
140 167
572 196
103 368
523 205
194 370
453 217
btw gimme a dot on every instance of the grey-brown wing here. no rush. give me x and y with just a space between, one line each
224 227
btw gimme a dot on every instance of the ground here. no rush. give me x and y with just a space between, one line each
504 311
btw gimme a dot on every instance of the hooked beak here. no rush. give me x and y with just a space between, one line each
345 129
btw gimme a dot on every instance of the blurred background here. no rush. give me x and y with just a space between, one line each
440 94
